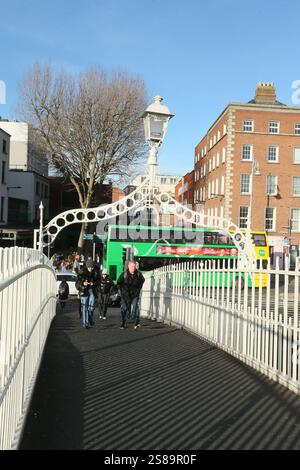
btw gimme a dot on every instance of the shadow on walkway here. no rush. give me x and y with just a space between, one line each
152 388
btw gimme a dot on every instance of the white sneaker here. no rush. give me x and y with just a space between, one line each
100 316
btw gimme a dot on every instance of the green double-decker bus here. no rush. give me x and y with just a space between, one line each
154 247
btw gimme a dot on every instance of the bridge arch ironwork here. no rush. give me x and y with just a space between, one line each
145 196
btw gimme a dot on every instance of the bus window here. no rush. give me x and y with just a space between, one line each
259 239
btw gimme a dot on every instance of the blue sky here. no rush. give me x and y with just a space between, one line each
197 55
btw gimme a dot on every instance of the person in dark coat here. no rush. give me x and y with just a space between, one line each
87 285
130 284
105 286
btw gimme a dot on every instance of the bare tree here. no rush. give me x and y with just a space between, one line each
91 124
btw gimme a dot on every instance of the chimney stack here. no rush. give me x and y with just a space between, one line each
265 92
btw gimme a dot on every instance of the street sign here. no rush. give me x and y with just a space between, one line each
93 237
88 236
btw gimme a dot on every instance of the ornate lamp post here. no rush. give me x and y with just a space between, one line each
156 119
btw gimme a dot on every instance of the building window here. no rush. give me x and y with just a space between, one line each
215 139
219 135
273 153
218 159
247 152
214 163
209 191
245 184
248 126
274 127
223 155
224 129
297 128
3 172
210 143
163 180
209 165
4 146
296 186
270 219
296 155
244 216
223 185
37 188
295 219
271 185
204 169
2 209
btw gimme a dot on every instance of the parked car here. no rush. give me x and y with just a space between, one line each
71 279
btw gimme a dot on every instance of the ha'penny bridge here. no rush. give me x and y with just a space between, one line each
215 365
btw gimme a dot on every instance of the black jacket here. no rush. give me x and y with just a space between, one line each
91 277
105 285
130 285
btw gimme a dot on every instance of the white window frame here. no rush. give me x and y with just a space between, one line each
223 185
274 193
294 155
273 229
244 223
297 229
248 125
293 186
276 156
297 128
272 127
249 184
250 146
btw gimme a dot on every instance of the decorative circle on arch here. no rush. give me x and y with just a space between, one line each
80 216
188 215
180 210
164 198
70 218
101 214
60 222
52 230
91 215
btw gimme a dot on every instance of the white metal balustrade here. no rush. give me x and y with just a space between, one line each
219 303
27 307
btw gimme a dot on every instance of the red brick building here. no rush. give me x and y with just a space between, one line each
250 158
184 190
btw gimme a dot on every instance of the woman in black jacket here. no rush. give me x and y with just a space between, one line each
87 285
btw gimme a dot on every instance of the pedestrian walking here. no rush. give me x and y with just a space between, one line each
87 285
105 286
63 293
130 284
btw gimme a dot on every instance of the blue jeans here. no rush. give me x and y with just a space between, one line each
87 308
134 304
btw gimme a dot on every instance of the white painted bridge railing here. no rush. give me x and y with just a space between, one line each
258 325
27 307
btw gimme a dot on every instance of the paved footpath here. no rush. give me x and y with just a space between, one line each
154 388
